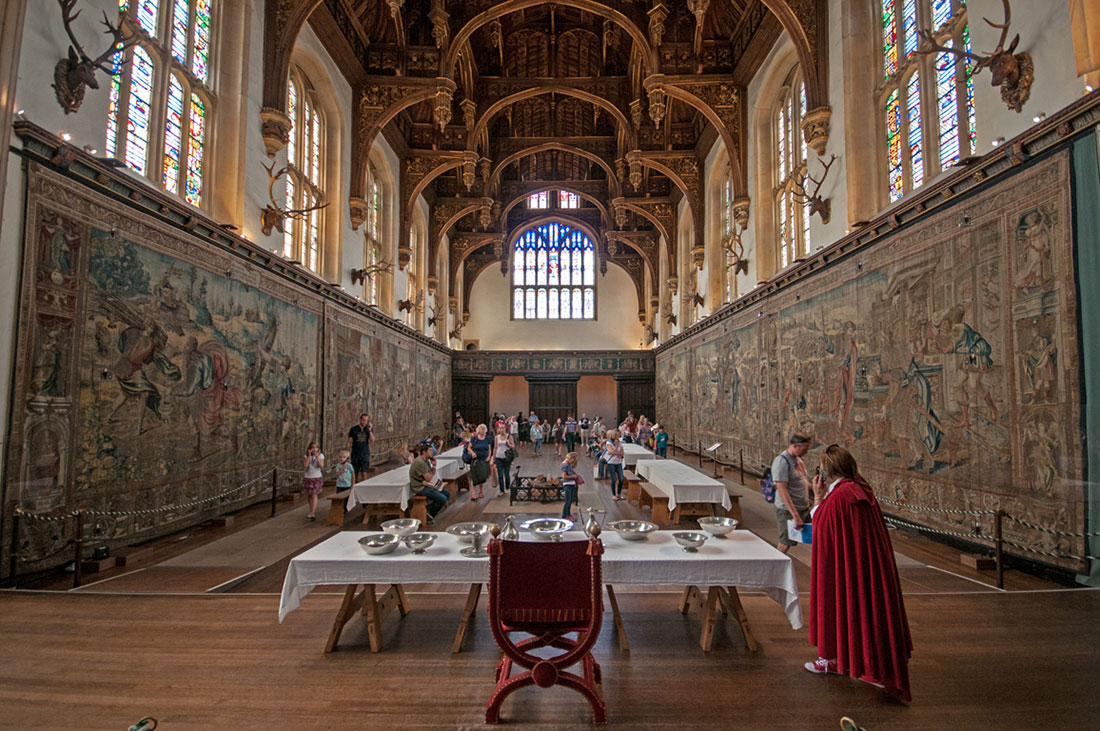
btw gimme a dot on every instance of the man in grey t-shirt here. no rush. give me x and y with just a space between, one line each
792 500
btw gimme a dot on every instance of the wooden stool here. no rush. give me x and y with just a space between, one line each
659 500
337 504
462 482
633 486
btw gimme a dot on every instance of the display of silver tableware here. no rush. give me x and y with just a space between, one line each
632 530
548 528
377 544
591 522
718 527
465 531
401 528
510 532
690 540
476 549
420 542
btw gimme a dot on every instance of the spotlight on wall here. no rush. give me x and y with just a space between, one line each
1088 89
1039 117
20 115
90 150
998 141
964 220
66 136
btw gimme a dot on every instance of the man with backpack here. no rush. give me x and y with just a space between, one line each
792 499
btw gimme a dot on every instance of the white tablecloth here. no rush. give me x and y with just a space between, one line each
447 468
633 453
386 488
741 560
453 452
683 484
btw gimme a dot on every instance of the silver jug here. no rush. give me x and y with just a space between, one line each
590 523
510 531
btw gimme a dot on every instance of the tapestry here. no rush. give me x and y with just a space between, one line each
945 358
403 385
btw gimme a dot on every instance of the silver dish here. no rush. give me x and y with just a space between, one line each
401 528
548 528
632 530
718 527
471 552
377 544
420 542
465 531
690 540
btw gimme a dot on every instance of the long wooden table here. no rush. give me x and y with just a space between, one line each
718 568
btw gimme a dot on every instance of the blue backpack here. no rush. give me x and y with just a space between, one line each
767 485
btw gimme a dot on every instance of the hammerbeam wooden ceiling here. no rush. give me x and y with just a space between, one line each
488 101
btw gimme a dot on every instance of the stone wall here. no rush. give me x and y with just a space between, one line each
945 357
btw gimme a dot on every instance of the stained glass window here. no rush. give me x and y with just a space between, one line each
539 200
168 148
173 134
889 38
792 157
929 97
568 200
373 230
561 262
305 173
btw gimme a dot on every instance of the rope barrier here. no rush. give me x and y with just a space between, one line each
1051 531
901 523
929 509
1053 554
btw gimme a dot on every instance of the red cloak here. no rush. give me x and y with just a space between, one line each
856 610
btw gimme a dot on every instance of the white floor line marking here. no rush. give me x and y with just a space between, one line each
242 577
975 581
109 578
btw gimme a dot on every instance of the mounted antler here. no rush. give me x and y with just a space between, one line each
73 74
433 315
670 317
272 216
457 332
814 200
1012 72
360 276
410 304
697 300
650 334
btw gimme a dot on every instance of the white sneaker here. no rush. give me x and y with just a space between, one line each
821 666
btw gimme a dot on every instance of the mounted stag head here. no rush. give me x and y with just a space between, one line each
650 334
670 317
73 74
360 276
697 300
457 332
1011 71
410 304
433 315
272 216
821 207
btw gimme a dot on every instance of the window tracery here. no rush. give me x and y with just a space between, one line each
553 274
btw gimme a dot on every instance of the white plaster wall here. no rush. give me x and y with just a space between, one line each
616 326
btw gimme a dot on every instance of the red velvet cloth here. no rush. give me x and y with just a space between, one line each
856 610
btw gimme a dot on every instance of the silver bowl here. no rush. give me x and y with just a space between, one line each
690 540
718 527
465 531
377 544
401 528
632 530
420 542
548 528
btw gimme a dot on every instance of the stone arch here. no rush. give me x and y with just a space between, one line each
605 215
613 182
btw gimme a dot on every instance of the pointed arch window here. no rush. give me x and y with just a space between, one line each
553 274
793 218
373 234
305 172
927 100
161 99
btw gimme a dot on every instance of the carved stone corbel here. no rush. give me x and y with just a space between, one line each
636 113
275 127
635 175
452 304
441 113
656 104
657 15
815 128
359 210
672 283
469 113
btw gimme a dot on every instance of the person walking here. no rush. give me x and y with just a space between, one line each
857 614
502 461
570 433
360 438
313 481
536 436
556 436
792 501
479 447
660 442
569 481
614 452
585 425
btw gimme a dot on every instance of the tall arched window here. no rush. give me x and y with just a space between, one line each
305 172
727 234
927 100
553 274
161 99
372 255
792 217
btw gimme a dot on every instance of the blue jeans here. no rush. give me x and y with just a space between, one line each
602 466
538 444
570 496
615 472
504 479
662 451
437 499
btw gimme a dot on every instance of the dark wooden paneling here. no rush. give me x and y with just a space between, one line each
471 397
553 399
637 395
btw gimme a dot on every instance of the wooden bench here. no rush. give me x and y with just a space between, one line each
337 505
455 485
418 508
633 486
658 499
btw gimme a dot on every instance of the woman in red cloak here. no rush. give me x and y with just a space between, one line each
857 616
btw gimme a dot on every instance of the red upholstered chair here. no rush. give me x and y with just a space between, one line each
546 590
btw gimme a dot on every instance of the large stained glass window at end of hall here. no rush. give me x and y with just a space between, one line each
553 274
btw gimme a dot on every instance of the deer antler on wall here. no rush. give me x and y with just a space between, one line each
360 276
457 332
670 317
273 216
410 304
71 75
1013 72
817 204
433 315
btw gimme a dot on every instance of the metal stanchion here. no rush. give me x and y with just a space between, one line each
13 556
274 488
741 455
78 550
700 448
999 548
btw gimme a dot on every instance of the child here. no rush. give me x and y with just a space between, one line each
569 481
661 440
344 472
312 481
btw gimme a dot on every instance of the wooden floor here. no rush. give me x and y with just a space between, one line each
982 661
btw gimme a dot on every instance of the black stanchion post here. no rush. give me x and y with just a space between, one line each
78 550
741 456
700 448
274 488
999 549
13 556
